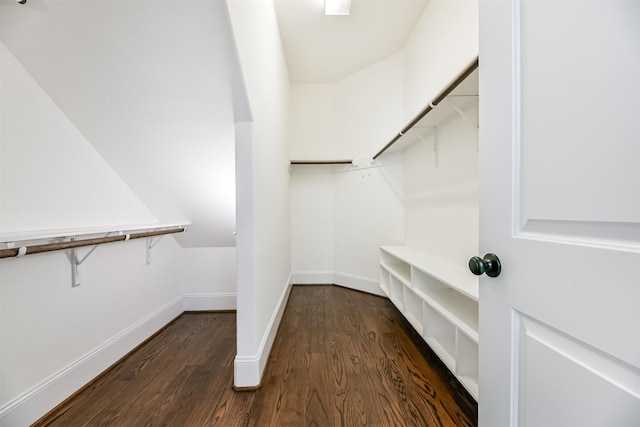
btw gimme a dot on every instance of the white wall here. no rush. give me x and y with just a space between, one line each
444 41
43 183
55 338
311 121
263 211
341 215
209 278
441 199
441 209
150 85
313 222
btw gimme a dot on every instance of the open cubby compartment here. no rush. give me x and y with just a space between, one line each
436 293
396 265
413 310
384 280
396 292
467 363
440 334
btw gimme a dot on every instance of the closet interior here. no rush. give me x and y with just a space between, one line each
423 270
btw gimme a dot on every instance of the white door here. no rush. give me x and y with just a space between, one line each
560 207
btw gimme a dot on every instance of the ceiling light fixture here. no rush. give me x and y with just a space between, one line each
337 7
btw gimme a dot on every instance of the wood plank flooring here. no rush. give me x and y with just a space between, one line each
341 358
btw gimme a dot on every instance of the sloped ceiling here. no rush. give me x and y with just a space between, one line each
324 49
151 85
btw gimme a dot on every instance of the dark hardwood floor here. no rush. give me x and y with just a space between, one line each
341 358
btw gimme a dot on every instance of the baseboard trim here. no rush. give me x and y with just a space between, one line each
248 370
351 281
209 301
312 277
40 399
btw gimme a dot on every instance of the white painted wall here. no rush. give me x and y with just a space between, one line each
209 278
311 121
55 338
441 200
341 215
367 108
43 183
441 208
150 85
263 211
313 222
443 42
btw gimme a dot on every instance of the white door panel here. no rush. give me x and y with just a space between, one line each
552 366
579 79
560 206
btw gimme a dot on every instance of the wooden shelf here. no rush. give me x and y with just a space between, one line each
440 301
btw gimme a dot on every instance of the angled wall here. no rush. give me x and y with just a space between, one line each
55 338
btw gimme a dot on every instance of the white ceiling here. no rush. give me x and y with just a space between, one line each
324 49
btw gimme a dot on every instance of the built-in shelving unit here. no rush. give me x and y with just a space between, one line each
440 300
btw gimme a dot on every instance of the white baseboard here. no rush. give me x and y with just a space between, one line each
347 280
40 399
312 277
358 283
209 301
248 370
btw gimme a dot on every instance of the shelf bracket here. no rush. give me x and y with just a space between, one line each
150 245
435 144
76 279
462 114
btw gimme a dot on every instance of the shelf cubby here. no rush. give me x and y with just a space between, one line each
467 363
397 267
413 310
440 334
396 294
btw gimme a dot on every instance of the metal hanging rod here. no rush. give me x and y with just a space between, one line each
321 162
49 247
442 95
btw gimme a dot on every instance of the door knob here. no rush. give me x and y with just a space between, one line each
490 264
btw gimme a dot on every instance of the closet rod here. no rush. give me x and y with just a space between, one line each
49 247
442 95
321 162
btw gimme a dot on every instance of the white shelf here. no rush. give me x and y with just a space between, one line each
455 276
32 235
440 301
399 275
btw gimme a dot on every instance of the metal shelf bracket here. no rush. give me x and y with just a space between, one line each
76 279
150 245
